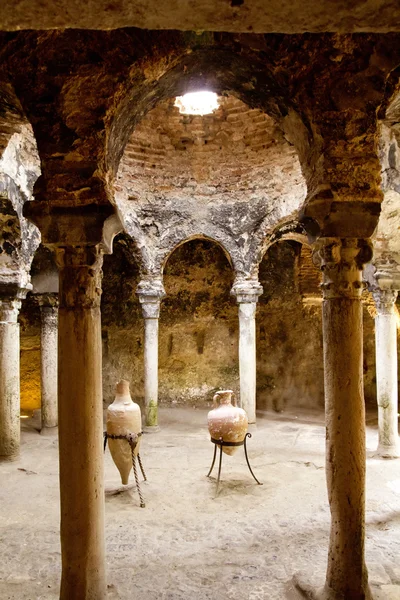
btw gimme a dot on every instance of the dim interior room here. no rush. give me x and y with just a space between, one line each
199 270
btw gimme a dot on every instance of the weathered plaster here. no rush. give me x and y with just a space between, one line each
19 169
229 176
276 16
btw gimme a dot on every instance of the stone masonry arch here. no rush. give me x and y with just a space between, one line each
231 176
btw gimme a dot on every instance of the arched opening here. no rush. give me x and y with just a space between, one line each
198 326
122 323
212 67
289 331
44 280
230 175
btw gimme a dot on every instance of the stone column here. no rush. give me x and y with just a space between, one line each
9 378
48 369
341 263
80 409
386 371
247 293
150 294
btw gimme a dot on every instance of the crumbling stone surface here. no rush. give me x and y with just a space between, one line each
276 16
12 118
198 324
230 176
87 94
30 359
10 239
289 341
19 238
84 92
386 239
198 348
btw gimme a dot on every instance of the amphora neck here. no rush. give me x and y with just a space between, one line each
223 397
122 393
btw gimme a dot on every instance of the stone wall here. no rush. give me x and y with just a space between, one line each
198 350
289 344
198 324
233 150
29 320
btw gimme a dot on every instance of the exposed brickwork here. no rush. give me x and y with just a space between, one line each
309 276
230 176
233 150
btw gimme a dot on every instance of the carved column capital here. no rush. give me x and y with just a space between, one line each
48 304
384 299
10 301
9 309
47 300
341 262
150 294
247 292
80 275
387 272
384 282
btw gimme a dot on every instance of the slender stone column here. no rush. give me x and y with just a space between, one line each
80 410
386 372
9 379
341 262
247 293
48 374
150 294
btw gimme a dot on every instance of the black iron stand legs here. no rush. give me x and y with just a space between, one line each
220 443
132 439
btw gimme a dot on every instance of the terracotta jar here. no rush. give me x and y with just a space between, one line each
123 417
227 421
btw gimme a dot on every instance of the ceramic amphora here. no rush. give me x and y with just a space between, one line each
123 417
227 421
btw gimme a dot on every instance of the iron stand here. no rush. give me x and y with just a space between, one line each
221 443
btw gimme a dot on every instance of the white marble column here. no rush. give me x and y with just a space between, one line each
48 369
150 294
247 293
386 371
9 378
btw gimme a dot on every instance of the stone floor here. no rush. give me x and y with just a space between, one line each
186 544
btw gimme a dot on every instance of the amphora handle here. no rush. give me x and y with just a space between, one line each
217 398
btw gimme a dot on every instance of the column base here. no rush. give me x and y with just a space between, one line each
324 593
49 431
388 452
12 458
151 429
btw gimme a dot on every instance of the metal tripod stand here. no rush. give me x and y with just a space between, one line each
221 443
